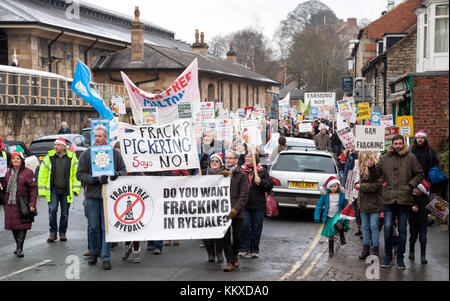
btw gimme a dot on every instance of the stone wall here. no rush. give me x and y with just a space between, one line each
430 96
28 123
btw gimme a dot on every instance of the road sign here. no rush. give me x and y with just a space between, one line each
406 125
347 84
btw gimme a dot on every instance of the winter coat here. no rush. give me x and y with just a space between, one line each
46 178
370 195
402 173
239 191
321 211
421 216
427 158
323 142
275 153
26 186
257 193
93 188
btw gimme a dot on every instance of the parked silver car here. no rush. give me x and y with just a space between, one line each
299 174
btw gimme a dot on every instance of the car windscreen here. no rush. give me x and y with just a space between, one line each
309 163
42 146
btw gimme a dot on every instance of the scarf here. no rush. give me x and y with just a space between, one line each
12 187
210 171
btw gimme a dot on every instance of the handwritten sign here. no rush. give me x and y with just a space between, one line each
369 138
363 111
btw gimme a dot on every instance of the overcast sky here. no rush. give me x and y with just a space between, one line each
215 17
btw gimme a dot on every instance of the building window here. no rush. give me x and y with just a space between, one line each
246 100
231 97
441 29
425 35
239 96
221 92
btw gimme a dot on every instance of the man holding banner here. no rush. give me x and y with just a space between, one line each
94 199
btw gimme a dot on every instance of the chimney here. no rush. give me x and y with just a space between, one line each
390 4
137 37
352 21
231 55
200 47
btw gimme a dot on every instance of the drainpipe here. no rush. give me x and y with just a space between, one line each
87 50
384 73
50 50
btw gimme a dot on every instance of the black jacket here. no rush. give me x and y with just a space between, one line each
66 173
257 193
426 157
420 217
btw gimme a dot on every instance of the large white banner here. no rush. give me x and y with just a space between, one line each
184 89
159 147
369 138
166 208
318 99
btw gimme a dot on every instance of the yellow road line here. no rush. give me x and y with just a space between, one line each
299 263
312 265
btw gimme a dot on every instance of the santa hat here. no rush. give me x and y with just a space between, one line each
61 141
17 154
425 186
331 180
348 213
421 134
218 156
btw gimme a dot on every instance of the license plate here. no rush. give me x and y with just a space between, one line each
307 185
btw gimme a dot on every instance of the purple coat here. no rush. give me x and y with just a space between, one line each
26 185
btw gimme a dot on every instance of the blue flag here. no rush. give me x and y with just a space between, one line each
81 85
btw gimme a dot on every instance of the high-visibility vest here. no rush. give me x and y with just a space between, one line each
44 177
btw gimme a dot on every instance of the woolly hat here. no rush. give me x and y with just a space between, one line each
348 213
17 154
323 126
331 180
218 156
421 134
424 186
61 141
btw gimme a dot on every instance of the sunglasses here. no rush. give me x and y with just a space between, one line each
215 161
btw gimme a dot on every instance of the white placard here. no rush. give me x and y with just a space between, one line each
207 110
172 208
369 138
438 206
3 167
305 127
318 99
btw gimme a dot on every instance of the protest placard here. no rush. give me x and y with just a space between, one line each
314 112
114 130
102 159
97 123
149 116
369 138
390 132
250 132
341 123
118 105
406 125
387 120
376 118
183 89
185 110
363 111
305 127
3 167
176 208
321 98
347 138
349 184
207 110
345 109
159 147
224 130
439 207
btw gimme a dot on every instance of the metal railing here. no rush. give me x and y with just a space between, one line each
31 89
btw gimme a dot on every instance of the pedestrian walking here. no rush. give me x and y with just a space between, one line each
418 220
94 200
19 182
5 155
328 209
369 203
64 129
58 183
323 141
214 247
238 198
255 208
402 173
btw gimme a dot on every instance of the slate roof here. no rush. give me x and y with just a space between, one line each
296 94
164 58
93 20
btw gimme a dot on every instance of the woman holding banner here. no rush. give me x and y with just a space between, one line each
259 184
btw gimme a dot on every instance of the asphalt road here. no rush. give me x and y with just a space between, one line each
291 249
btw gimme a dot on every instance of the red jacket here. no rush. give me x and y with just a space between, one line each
26 185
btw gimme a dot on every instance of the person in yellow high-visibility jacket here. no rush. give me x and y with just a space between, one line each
57 181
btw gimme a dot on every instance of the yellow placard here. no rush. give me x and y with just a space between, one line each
363 111
300 118
406 126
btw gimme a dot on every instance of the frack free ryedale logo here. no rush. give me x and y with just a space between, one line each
133 208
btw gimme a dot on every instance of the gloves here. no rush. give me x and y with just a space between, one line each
226 173
104 180
232 214
115 176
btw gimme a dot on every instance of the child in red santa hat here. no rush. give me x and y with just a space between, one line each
328 210
418 220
